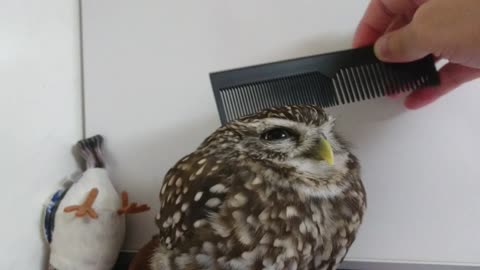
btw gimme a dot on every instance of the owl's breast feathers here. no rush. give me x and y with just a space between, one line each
241 214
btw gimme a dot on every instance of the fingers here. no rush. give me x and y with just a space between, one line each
398 22
451 77
365 35
373 24
420 2
401 45
378 17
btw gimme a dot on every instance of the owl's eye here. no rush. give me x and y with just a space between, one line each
276 134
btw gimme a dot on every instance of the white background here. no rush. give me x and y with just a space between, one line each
40 116
148 92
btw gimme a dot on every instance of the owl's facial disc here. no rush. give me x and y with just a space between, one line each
296 137
285 140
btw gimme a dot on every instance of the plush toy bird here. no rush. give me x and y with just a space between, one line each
85 220
275 190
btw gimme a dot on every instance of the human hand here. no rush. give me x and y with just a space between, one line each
407 30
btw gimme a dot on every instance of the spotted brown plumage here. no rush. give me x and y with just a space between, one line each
257 195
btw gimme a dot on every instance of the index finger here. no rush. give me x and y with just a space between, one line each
377 18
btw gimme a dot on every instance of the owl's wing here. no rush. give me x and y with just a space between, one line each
193 190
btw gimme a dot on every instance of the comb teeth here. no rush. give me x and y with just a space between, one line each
322 80
312 88
375 80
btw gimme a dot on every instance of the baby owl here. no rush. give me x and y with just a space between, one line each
275 190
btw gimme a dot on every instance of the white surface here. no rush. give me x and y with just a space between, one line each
148 92
40 112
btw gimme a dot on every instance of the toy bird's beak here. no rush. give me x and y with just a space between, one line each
325 151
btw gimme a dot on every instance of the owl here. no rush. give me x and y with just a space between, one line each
278 189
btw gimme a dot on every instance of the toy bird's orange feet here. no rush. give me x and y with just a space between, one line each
86 207
131 208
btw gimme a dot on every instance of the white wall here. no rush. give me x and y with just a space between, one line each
148 92
40 116
146 75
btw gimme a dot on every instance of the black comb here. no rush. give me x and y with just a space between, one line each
325 80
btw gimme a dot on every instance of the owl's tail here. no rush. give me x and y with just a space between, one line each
91 150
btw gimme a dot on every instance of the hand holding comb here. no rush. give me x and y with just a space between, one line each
325 80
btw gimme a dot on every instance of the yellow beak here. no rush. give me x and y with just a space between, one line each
325 151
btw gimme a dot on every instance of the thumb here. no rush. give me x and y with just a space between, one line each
401 45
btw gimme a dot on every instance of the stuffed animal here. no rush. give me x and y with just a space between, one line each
85 220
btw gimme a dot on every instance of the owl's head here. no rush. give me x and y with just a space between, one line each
301 137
